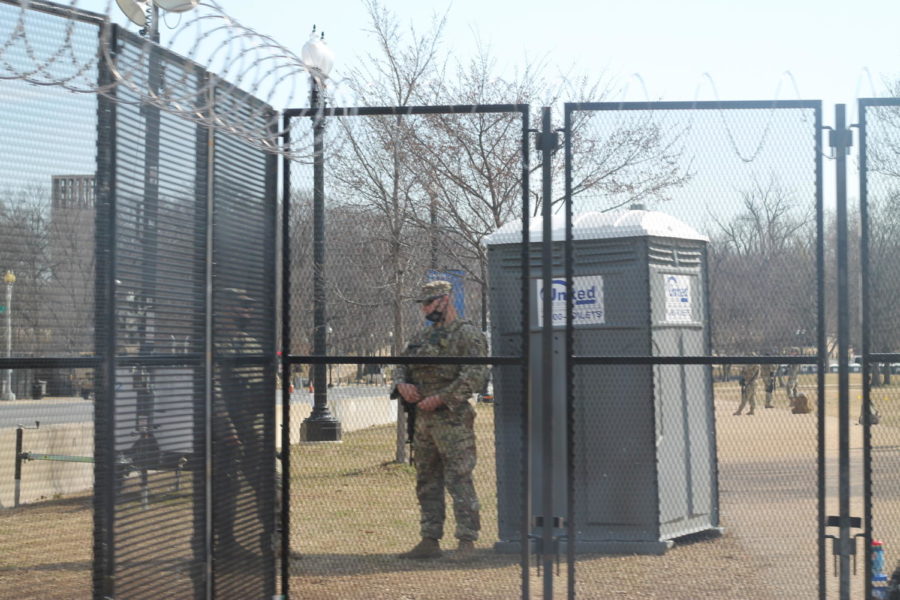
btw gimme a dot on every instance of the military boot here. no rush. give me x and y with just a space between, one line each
465 551
427 548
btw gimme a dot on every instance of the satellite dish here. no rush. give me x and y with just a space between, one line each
176 5
135 10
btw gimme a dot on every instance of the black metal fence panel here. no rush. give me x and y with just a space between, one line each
879 359
695 254
139 253
244 502
158 272
406 195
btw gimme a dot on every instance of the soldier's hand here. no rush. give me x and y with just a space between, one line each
431 403
409 392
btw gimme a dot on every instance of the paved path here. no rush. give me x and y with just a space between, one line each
768 482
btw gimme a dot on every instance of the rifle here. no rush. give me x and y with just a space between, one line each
770 382
410 410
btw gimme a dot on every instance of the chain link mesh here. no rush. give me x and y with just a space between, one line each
408 196
882 142
660 451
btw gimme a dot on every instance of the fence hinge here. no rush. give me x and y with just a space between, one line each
840 139
548 141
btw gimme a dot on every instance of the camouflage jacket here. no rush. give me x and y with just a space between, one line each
453 383
234 382
749 373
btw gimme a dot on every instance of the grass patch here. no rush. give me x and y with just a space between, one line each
353 509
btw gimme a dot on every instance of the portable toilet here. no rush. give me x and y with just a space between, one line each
644 442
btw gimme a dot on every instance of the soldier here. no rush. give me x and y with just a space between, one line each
767 374
239 437
749 375
444 442
793 371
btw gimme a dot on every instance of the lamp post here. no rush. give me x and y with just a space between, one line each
330 366
320 426
10 279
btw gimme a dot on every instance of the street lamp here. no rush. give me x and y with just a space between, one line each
320 426
10 279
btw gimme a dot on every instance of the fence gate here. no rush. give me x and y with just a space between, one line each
671 350
879 140
185 442
378 201
724 291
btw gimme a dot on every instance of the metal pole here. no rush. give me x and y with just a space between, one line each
209 464
548 489
286 366
526 399
822 354
843 348
18 475
569 372
865 275
320 426
7 381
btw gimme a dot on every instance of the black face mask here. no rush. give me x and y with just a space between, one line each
437 315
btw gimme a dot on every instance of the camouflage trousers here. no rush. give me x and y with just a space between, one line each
748 396
444 447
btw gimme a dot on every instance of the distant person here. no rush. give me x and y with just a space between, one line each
444 440
767 375
749 375
793 372
874 415
239 439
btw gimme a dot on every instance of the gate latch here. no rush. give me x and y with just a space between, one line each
840 139
836 550
547 141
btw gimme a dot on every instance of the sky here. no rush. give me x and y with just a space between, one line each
654 49
650 49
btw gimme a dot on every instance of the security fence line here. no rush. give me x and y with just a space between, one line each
607 432
876 115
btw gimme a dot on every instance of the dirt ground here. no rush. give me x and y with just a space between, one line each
353 511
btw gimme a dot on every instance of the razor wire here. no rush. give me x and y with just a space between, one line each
215 43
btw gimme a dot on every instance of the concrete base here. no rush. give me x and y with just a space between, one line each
320 430
648 547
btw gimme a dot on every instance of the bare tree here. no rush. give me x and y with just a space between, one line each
471 164
25 250
763 274
373 170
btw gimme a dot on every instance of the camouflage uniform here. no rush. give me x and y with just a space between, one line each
444 443
791 388
767 374
749 375
239 451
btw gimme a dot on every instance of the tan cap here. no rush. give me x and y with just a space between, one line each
434 289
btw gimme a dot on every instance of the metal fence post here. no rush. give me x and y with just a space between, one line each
841 141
